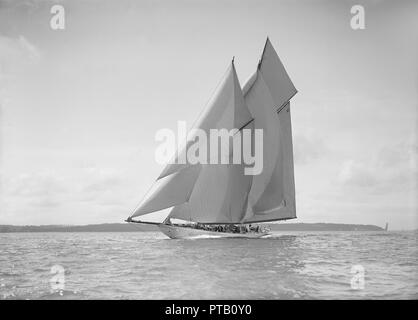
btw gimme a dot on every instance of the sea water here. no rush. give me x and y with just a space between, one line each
147 265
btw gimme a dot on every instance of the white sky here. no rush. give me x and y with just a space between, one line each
80 107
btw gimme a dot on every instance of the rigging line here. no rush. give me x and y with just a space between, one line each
194 183
269 220
278 111
143 222
146 193
197 119
280 108
262 54
142 199
211 96
286 103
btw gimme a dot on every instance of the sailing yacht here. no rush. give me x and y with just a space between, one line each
220 200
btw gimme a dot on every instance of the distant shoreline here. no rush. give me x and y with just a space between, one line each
126 227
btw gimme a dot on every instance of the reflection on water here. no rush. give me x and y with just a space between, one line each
146 265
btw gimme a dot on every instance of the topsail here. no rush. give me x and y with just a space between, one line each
222 193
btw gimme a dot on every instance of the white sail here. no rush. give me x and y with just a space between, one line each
222 193
224 111
169 191
219 195
275 76
206 187
272 193
278 199
261 105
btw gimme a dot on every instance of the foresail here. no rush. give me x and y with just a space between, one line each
169 191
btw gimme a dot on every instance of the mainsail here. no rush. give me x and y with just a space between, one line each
267 94
222 193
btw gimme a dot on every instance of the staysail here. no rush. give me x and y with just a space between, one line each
219 195
222 193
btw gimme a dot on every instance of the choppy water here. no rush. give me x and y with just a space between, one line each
146 265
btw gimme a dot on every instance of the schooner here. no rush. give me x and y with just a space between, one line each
220 200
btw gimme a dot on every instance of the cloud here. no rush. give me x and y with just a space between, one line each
357 174
91 187
392 169
307 148
102 186
43 190
35 185
16 54
46 202
402 153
